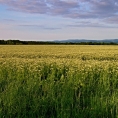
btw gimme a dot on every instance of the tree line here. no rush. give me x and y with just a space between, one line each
18 42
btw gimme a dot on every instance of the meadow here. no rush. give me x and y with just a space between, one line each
58 81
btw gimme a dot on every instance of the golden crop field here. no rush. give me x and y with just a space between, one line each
58 81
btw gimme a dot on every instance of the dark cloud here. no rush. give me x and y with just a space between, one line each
31 6
81 9
104 8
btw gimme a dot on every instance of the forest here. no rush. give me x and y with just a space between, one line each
18 42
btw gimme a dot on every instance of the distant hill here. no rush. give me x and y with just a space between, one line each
86 41
62 42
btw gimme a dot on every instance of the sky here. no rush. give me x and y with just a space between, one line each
45 20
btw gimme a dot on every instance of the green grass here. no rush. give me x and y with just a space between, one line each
54 91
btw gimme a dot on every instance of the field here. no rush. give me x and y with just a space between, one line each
58 81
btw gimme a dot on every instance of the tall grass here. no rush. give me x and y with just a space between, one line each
54 91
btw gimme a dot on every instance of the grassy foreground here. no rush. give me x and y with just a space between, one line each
58 82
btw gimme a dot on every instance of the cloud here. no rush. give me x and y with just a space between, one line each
79 9
40 27
105 8
112 20
8 20
86 24
35 6
51 28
